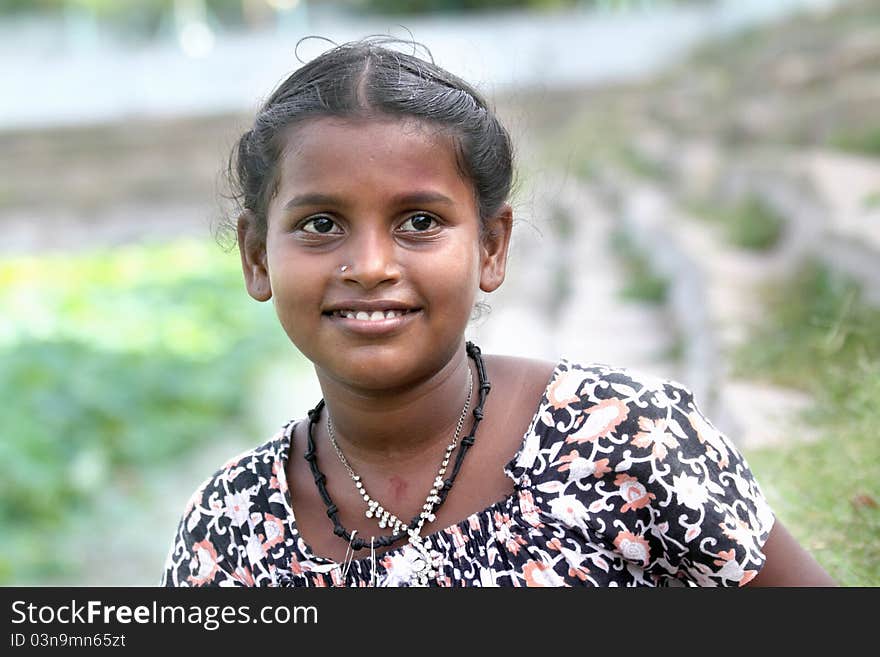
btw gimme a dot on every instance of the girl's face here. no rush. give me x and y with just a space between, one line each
373 251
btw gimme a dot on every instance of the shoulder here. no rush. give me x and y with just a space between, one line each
591 411
573 379
637 416
567 385
652 473
519 372
608 399
519 365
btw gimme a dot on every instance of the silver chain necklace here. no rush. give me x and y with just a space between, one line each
425 566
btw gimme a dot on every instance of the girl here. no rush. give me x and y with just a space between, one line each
374 191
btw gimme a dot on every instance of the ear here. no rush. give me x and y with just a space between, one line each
493 250
252 247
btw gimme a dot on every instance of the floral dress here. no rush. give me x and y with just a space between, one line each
619 481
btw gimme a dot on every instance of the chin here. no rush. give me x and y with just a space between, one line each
375 375
382 367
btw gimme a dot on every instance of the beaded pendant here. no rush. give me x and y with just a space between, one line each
425 567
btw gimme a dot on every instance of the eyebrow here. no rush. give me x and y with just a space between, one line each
409 198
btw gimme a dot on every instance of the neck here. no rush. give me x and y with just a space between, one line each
382 428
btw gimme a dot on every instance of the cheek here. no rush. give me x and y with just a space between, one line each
457 280
295 287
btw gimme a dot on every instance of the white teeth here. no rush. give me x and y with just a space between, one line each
374 316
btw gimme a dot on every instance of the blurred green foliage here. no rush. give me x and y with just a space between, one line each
863 141
111 362
638 163
819 335
642 283
749 224
185 297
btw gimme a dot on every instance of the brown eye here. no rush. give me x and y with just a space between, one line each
321 225
418 223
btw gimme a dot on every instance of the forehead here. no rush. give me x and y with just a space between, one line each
371 155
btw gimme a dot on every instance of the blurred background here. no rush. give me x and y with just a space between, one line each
698 196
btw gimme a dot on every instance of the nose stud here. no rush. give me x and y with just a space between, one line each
343 268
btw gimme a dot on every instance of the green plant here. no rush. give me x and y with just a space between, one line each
749 224
642 283
820 336
112 363
865 141
639 164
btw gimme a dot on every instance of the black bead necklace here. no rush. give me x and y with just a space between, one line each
320 478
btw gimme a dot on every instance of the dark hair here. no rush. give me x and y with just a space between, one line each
367 79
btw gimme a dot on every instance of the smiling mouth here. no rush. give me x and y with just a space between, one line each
372 316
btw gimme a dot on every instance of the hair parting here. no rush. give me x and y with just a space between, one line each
370 79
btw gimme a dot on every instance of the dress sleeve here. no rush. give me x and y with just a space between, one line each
209 548
694 501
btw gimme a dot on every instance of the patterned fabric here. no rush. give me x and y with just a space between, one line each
619 481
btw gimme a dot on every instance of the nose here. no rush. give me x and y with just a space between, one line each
372 258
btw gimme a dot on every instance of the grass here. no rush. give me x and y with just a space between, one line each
629 157
750 224
562 227
642 283
864 141
821 337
